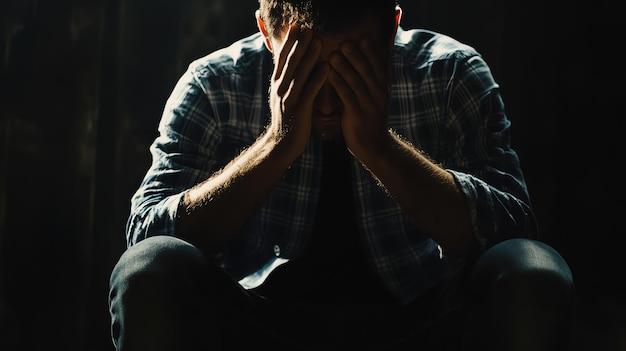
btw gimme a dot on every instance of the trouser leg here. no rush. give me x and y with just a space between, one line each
165 296
522 297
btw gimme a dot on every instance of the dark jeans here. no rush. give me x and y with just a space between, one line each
165 296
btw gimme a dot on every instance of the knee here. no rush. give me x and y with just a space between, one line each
160 258
524 263
523 291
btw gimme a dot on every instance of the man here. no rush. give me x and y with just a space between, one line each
332 182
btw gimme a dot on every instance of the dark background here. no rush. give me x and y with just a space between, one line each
83 83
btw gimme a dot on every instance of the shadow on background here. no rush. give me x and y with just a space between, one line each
83 84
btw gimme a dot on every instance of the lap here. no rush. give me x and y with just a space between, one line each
249 318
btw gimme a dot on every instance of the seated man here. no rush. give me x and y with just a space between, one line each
337 182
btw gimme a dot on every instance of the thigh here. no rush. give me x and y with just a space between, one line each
509 283
165 295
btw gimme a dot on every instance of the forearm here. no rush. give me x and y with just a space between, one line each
212 212
426 192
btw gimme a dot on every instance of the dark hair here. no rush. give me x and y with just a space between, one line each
325 15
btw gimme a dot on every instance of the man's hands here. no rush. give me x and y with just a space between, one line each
360 76
296 80
357 71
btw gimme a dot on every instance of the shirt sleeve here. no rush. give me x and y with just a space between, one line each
182 154
486 168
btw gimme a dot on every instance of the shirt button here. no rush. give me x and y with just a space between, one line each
276 250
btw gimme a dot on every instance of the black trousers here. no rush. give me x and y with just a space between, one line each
164 295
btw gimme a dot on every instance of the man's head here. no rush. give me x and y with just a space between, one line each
333 22
326 15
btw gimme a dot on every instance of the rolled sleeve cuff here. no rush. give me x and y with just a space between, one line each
157 220
471 187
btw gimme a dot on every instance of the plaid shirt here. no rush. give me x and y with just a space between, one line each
444 100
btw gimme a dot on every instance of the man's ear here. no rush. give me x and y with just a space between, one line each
263 30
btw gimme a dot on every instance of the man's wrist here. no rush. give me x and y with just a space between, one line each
377 150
